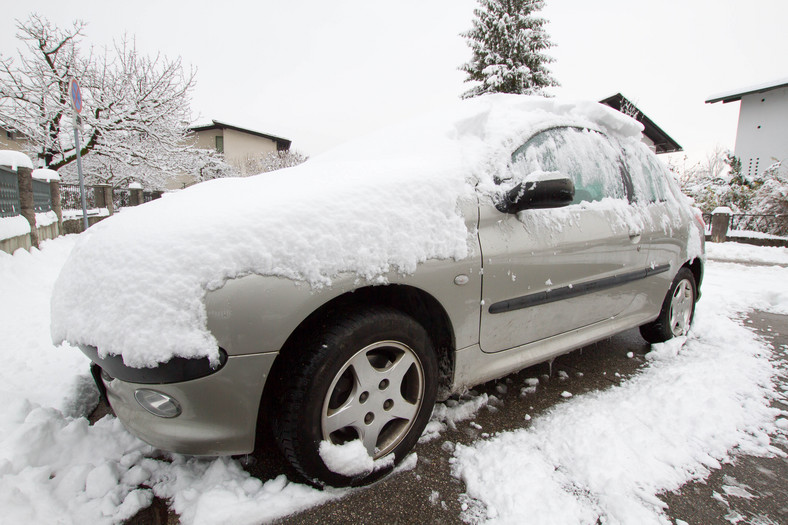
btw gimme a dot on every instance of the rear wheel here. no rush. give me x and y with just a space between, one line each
369 376
677 311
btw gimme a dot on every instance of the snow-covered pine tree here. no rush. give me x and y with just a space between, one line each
508 43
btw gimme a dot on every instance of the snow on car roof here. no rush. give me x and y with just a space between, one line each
135 282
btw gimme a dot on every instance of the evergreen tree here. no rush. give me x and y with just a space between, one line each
508 43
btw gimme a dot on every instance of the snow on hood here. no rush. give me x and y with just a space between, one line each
134 284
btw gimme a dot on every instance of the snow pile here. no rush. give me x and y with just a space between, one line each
11 227
15 159
221 491
37 372
56 469
351 459
605 457
452 411
731 251
382 204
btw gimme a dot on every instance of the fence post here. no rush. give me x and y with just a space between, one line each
109 199
54 190
27 209
103 195
720 221
135 194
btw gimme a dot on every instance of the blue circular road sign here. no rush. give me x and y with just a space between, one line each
76 95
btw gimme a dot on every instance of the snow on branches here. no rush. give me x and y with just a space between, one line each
508 44
136 107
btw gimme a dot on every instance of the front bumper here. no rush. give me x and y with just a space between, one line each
219 411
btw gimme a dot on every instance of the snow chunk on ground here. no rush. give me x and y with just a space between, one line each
381 204
450 412
351 459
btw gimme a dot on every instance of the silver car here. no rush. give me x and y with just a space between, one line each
582 234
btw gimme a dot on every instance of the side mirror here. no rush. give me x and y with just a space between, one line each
530 195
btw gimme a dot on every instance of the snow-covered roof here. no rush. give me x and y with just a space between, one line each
282 143
737 94
383 203
15 159
663 143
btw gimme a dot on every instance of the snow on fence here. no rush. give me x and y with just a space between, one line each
761 229
35 205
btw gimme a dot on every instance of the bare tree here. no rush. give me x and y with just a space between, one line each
136 108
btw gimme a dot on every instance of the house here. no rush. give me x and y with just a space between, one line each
763 124
653 136
237 144
12 140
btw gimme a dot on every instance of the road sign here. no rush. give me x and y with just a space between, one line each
76 95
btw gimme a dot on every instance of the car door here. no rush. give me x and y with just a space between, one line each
550 271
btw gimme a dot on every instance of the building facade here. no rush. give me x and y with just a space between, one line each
762 132
238 145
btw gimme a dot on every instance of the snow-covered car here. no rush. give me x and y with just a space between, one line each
334 302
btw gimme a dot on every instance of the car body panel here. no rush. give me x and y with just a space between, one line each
219 411
257 313
539 251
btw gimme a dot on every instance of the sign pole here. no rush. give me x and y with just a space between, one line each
76 103
81 178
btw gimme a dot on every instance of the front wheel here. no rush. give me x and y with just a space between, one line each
370 376
677 311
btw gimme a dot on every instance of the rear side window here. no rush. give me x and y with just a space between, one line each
585 156
647 174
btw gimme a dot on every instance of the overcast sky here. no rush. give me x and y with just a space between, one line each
320 72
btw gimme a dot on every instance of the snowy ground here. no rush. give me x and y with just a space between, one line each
600 456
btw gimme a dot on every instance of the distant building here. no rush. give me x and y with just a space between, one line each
653 136
12 140
237 144
762 133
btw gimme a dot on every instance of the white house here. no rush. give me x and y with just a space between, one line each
762 133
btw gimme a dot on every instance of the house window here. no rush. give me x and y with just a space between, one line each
9 134
219 144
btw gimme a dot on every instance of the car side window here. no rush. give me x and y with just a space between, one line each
647 174
585 156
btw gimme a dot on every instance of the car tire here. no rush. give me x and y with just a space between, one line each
678 310
370 375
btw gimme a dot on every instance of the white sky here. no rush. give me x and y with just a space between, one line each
321 72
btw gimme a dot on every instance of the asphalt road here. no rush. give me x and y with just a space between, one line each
751 490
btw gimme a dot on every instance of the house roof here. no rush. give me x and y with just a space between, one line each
281 143
662 141
737 94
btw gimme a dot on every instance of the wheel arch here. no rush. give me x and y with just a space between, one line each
412 301
696 267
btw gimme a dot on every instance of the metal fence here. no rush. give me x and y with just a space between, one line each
70 198
773 224
42 196
121 197
10 204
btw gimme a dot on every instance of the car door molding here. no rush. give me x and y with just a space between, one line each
574 290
